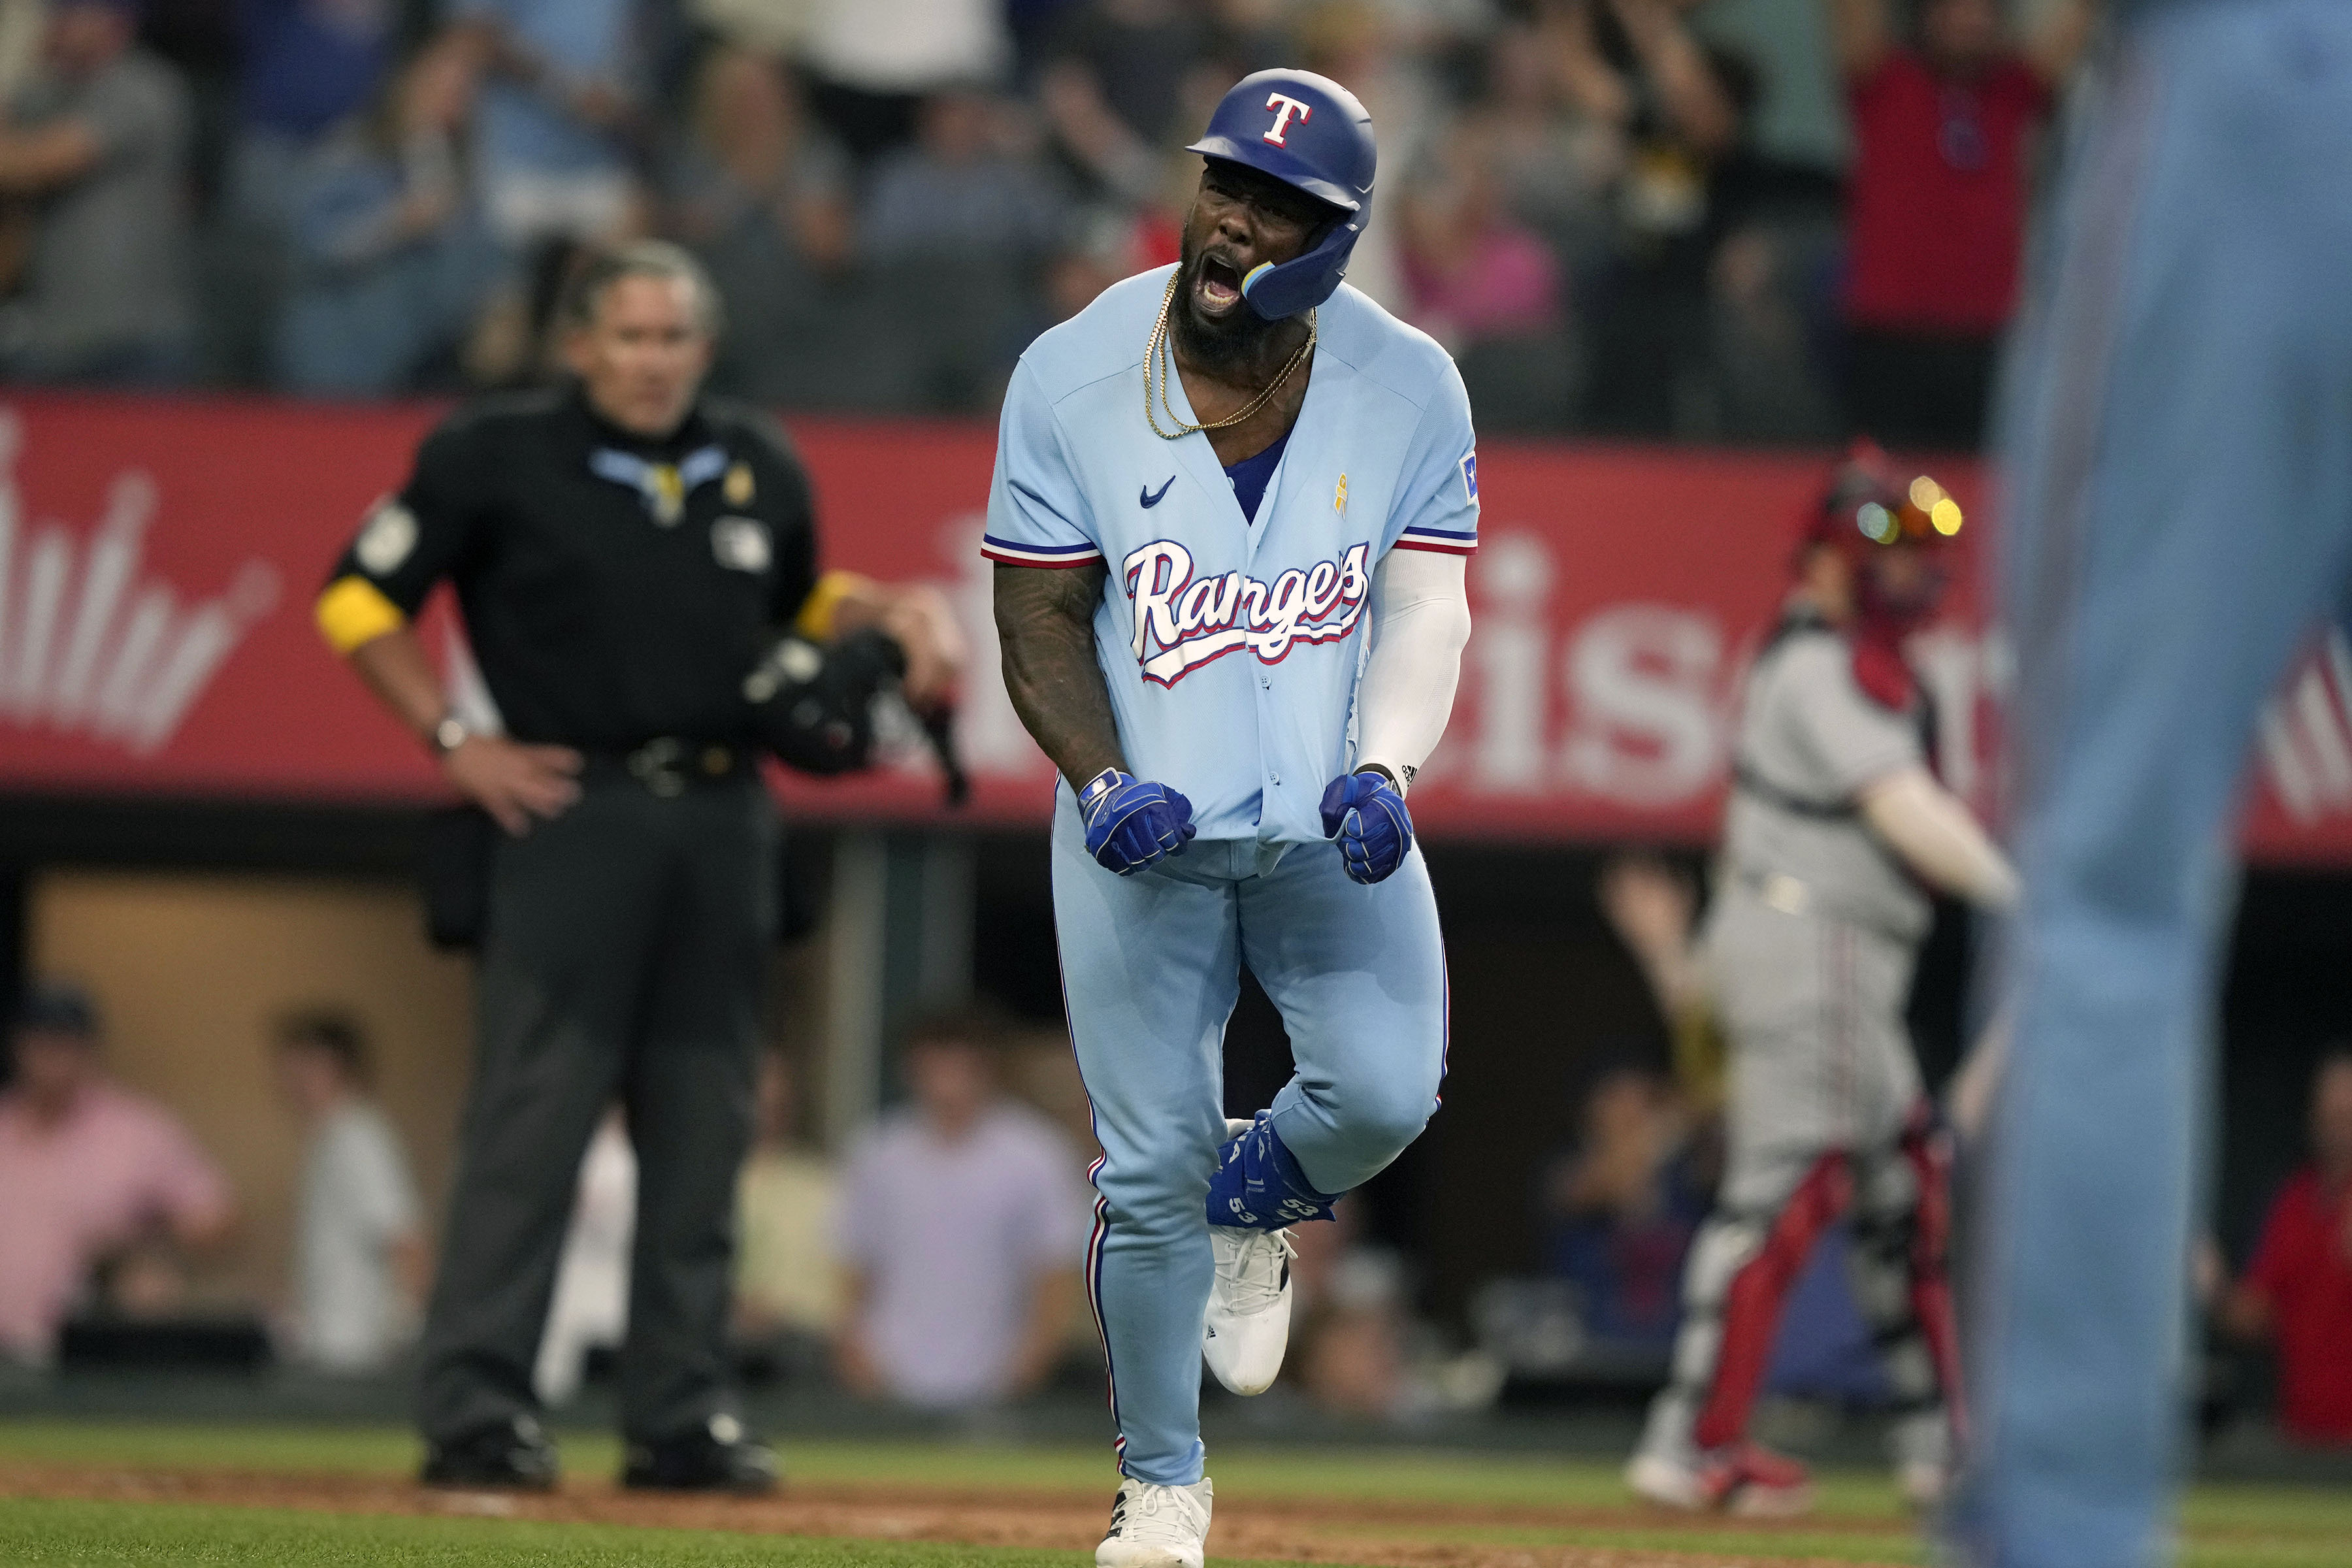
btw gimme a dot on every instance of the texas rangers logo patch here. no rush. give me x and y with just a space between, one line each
1182 623
1470 475
1284 110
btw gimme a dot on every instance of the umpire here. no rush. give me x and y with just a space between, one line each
624 551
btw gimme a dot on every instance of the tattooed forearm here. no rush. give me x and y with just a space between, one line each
1046 621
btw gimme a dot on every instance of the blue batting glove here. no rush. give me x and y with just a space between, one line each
1365 813
1130 822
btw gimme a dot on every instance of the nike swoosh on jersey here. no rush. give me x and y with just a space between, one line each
1151 497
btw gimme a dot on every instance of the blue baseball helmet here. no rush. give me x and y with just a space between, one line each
1310 133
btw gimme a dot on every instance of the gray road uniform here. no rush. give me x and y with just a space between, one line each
1810 942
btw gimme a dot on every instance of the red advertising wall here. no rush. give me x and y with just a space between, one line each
158 559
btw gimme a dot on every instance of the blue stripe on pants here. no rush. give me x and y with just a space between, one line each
2180 438
1150 969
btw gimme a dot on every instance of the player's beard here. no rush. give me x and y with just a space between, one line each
1235 342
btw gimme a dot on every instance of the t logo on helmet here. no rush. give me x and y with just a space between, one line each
1284 110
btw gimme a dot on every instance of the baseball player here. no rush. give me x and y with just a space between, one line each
1232 507
1834 822
2178 514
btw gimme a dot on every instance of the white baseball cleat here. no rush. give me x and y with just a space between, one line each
1924 1485
1666 1483
1743 1478
1922 1445
1247 1325
1157 1527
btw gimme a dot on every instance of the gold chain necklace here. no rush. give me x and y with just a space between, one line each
1158 353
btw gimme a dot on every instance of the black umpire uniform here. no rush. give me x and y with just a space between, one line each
616 591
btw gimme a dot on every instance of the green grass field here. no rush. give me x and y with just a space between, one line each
2231 1526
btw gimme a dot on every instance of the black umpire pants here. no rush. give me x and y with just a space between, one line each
623 958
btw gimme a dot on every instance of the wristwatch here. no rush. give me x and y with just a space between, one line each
447 735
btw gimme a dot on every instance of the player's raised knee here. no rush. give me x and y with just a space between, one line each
1389 1110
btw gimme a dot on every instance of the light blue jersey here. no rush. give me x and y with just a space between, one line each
1233 648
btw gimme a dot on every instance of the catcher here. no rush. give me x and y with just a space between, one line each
1835 831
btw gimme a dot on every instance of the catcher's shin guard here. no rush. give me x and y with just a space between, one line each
1928 1148
1750 1302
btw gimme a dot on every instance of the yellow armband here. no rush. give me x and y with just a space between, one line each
353 611
824 603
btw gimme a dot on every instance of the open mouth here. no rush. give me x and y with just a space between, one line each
1219 287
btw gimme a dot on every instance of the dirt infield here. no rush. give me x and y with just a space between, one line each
1378 1535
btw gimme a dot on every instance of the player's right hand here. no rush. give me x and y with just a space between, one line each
1130 822
512 782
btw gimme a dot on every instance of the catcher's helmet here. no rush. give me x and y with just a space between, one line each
1311 134
1867 507
1867 502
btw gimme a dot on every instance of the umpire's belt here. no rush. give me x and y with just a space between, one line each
669 766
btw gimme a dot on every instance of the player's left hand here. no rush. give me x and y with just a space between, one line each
1364 812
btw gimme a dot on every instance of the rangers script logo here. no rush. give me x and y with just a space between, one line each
1191 622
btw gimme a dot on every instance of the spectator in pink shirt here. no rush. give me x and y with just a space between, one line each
1487 287
961 1225
1476 272
87 1172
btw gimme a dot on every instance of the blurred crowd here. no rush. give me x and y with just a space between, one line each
936 1260
1701 219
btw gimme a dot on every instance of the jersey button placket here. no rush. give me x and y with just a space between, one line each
1267 721
1265 724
